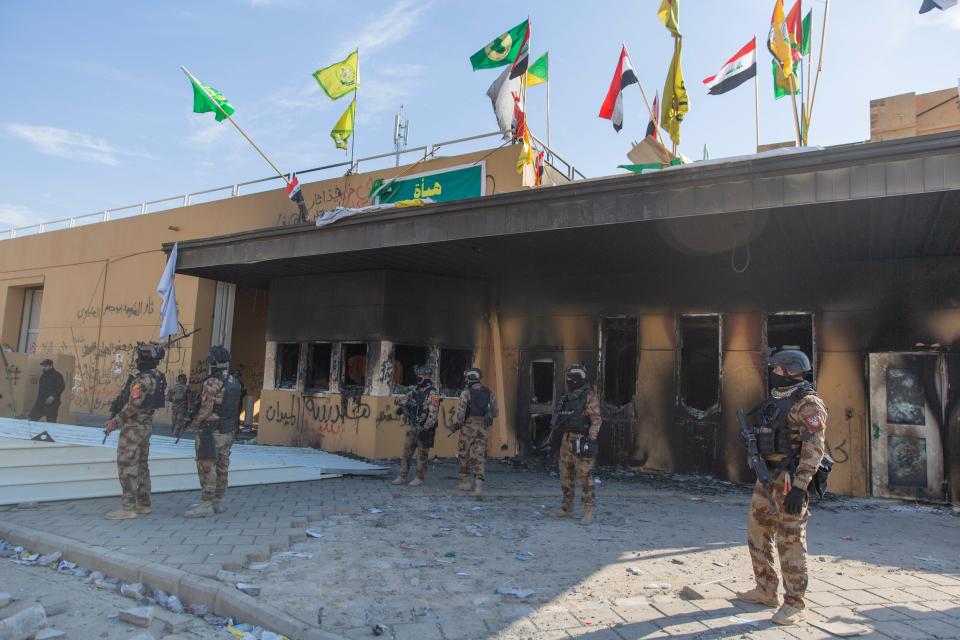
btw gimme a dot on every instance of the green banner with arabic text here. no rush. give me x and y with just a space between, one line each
457 183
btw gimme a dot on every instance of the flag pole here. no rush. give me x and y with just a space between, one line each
793 100
353 136
823 38
234 123
756 108
548 101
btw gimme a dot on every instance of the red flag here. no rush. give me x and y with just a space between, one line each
654 123
293 188
519 118
520 64
795 31
612 107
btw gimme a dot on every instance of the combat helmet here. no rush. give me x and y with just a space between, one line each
473 374
790 360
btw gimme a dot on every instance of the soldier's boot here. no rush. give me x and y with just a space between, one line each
400 479
416 482
120 514
566 509
788 614
478 490
759 596
217 507
202 510
587 517
464 484
142 509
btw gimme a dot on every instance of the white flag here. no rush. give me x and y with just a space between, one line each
501 95
169 321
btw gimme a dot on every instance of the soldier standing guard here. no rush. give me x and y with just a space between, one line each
419 409
475 414
791 438
216 422
178 397
576 425
137 401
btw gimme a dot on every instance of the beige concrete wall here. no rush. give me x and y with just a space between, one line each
909 114
99 280
18 384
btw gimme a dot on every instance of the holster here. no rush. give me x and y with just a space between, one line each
208 448
584 447
427 437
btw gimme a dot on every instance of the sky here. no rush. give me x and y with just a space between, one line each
96 113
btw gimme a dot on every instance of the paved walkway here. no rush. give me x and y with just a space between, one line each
892 567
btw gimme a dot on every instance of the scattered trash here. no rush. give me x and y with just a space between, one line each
49 558
634 571
739 620
717 563
132 590
107 584
80 572
66 565
514 592
313 533
375 510
524 556
508 535
696 499
173 604
677 561
258 566
294 554
379 629
450 554
408 547
848 538
663 586
463 573
198 609
249 589
217 620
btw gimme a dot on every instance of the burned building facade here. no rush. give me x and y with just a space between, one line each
671 287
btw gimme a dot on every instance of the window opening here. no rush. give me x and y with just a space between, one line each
354 358
790 331
543 382
317 377
30 320
406 357
700 361
288 361
619 360
453 362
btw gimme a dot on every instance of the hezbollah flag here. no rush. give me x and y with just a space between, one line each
669 14
342 131
340 78
206 99
537 73
676 104
503 50
778 42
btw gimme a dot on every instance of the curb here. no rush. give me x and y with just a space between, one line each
220 599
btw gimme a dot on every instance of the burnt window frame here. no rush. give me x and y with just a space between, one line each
553 383
307 390
438 375
812 376
342 385
399 389
713 409
602 373
279 368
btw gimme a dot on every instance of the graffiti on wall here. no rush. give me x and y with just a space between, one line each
346 193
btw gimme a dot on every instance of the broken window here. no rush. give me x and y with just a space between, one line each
317 376
700 361
791 331
288 361
406 358
619 360
354 359
453 362
542 373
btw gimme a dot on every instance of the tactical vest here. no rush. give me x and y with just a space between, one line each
568 417
418 398
229 409
479 401
158 398
773 433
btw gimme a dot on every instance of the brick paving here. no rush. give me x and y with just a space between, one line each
895 571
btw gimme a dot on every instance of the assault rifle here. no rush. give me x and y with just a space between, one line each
754 461
188 418
413 413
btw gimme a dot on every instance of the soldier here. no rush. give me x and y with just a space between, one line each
216 422
419 409
137 402
576 425
178 396
791 430
475 414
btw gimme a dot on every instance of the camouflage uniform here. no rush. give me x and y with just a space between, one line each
414 438
177 396
806 421
574 468
133 449
212 473
472 447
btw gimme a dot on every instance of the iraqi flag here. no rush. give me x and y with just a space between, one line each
612 107
293 189
737 70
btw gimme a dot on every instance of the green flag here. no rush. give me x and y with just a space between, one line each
806 26
503 50
537 73
781 83
206 98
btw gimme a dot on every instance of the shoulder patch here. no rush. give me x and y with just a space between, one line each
813 422
136 390
436 400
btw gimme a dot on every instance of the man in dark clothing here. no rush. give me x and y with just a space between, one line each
49 389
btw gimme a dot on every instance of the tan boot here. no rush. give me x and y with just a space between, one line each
120 514
759 596
217 507
416 482
464 484
566 510
478 490
587 517
788 614
143 509
202 510
401 479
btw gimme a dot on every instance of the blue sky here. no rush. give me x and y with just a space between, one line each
96 113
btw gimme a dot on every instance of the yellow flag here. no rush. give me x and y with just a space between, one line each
340 78
526 152
675 101
342 131
777 41
669 14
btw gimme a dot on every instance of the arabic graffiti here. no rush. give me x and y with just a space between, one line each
350 194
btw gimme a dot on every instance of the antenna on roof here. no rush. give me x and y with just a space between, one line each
401 128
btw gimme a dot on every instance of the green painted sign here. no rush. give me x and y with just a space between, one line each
455 183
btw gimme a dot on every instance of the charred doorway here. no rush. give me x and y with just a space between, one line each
698 392
619 340
539 388
791 330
